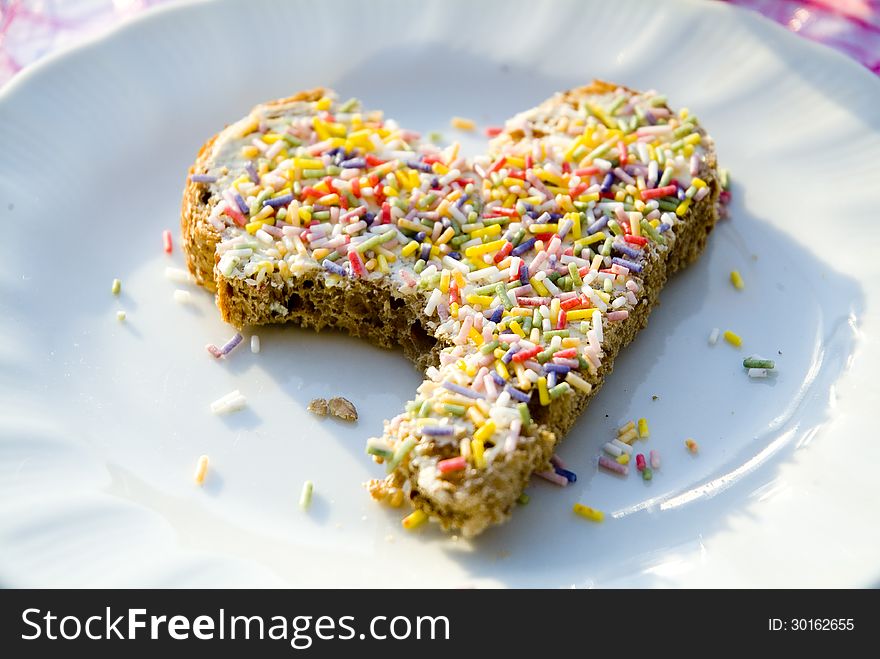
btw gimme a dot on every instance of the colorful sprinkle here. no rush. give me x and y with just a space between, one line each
305 497
414 520
643 429
463 124
201 470
733 339
116 287
737 280
757 362
691 446
588 513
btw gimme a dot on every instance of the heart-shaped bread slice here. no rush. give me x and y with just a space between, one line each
512 279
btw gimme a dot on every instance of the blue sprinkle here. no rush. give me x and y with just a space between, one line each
438 431
459 203
425 252
242 206
521 396
455 255
369 218
559 369
496 314
664 227
509 354
252 172
635 267
607 183
555 216
623 248
523 247
203 178
420 236
570 476
523 274
497 378
420 166
283 200
353 163
464 391
598 225
333 267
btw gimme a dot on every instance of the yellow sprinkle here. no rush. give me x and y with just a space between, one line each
501 368
578 382
320 253
308 163
698 183
691 445
588 513
463 124
485 432
539 287
409 248
626 427
629 436
478 451
682 207
737 280
120 316
544 228
596 263
414 520
579 314
476 337
543 394
482 300
485 248
116 287
514 326
623 458
446 236
491 230
643 428
201 470
444 280
733 339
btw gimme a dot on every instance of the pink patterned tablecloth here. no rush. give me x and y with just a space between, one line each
30 29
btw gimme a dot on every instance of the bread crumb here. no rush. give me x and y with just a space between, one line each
344 409
319 406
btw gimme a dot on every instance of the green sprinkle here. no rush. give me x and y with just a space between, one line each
457 410
314 173
551 333
372 242
524 414
647 474
291 140
615 228
116 287
120 316
305 499
667 176
435 136
755 362
257 206
419 266
501 292
402 451
606 246
425 409
559 389
575 275
488 348
349 105
523 499
724 175
652 232
544 357
321 216
378 447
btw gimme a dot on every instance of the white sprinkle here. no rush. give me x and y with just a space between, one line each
255 344
612 449
120 316
178 275
758 372
626 448
433 301
713 336
182 297
231 402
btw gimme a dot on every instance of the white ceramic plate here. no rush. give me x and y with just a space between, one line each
101 423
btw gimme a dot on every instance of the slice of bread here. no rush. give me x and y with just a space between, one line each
513 280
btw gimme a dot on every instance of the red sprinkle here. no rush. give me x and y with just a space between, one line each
653 193
493 131
636 240
570 303
503 252
386 213
373 161
624 155
357 265
561 320
166 241
586 171
498 164
568 353
523 355
236 216
452 464
640 462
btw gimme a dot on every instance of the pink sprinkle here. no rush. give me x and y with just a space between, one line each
166 241
623 314
556 461
613 465
214 350
553 477
452 464
655 460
